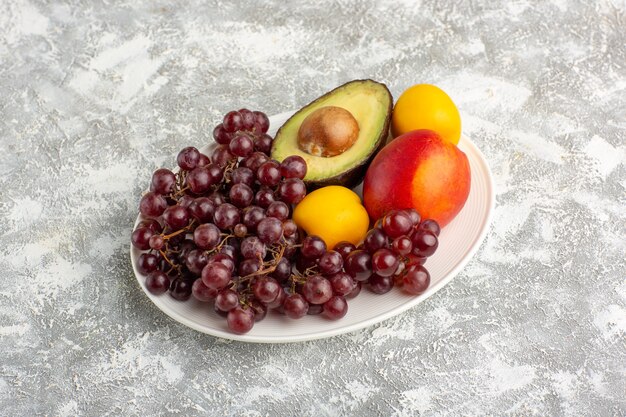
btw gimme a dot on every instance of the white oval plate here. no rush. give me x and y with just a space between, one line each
457 244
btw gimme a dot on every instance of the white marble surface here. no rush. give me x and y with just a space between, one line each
96 95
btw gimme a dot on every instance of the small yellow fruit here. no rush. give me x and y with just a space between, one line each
425 106
333 213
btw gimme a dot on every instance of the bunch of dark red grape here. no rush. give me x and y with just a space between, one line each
243 130
220 230
393 253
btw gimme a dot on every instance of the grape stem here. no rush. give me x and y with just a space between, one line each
219 245
230 166
167 259
309 271
226 237
180 192
178 232
181 178
273 265
180 185
301 278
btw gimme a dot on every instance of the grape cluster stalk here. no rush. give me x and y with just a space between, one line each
220 230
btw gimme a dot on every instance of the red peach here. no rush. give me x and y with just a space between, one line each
418 170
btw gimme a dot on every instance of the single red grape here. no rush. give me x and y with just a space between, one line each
289 228
157 282
312 247
385 262
264 197
242 175
226 299
261 122
215 174
295 306
180 289
226 216
259 309
424 242
199 180
188 158
221 155
220 135
293 166
147 263
342 283
278 210
252 216
292 190
140 238
397 223
206 236
430 225
335 308
416 280
375 239
266 290
232 122
151 224
269 173
248 266
330 263
283 270
240 230
344 248
176 217
254 161
379 284
195 261
202 209
156 242
152 204
253 248
263 143
215 275
269 230
241 145
241 195
201 292
163 181
240 321
359 265
402 245
248 119
317 290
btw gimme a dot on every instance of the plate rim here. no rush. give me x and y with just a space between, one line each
249 338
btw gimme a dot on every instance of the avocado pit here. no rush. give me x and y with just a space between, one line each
328 131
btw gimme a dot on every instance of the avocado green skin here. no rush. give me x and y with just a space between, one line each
353 176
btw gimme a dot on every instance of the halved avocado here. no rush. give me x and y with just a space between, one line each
370 103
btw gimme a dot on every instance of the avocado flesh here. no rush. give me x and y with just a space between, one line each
370 103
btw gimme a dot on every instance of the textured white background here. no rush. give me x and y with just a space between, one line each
95 96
